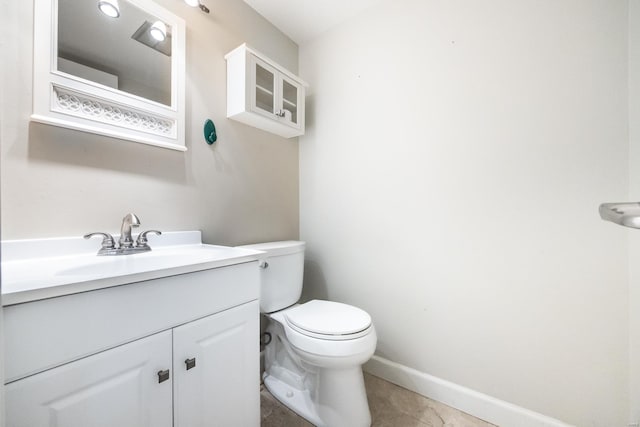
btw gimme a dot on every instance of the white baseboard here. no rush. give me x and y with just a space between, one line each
490 409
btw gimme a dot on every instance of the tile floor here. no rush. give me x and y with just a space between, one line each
390 405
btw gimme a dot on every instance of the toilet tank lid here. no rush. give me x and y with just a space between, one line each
278 248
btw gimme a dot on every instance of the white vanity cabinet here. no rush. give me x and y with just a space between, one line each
175 351
215 365
118 387
263 94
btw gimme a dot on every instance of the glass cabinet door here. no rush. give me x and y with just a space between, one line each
290 101
264 96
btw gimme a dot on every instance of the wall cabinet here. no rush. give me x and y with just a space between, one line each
202 371
263 94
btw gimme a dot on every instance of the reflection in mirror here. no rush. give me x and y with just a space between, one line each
131 52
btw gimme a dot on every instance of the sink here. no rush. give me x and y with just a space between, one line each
161 258
117 266
46 268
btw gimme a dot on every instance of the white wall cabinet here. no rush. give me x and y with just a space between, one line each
263 94
211 361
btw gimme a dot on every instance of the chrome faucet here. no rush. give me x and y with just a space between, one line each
125 242
129 220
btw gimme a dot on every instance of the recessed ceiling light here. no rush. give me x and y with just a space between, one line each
109 8
158 31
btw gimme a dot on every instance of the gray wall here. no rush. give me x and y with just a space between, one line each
455 157
59 182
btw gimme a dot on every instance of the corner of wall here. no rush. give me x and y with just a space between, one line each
634 194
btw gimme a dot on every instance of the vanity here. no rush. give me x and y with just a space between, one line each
163 338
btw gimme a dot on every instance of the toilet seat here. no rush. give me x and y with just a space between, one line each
328 320
346 346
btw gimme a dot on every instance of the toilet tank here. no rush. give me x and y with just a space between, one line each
281 276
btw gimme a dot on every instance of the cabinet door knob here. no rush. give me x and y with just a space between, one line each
190 363
263 264
163 376
280 113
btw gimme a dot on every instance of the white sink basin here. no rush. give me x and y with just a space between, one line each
109 265
29 273
158 259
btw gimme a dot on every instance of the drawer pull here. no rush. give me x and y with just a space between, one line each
163 376
191 363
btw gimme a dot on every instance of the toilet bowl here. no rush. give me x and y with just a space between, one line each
313 363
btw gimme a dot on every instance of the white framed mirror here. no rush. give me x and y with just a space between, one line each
111 67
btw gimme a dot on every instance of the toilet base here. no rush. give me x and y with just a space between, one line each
325 390
299 401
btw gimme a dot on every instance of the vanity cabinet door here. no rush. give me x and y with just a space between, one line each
217 372
118 387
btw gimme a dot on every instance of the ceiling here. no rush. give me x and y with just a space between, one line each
302 20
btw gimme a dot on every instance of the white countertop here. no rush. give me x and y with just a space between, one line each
46 268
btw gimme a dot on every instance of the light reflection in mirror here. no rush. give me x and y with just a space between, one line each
120 53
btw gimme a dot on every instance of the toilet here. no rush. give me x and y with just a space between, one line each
313 363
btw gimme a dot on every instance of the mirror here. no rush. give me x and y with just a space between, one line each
111 67
119 52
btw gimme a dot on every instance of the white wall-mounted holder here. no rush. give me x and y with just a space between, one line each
66 100
625 213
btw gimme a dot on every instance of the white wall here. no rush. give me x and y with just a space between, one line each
59 182
455 158
634 194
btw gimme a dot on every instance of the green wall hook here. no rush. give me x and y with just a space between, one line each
210 135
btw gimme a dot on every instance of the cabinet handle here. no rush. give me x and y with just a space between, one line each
163 376
191 363
280 113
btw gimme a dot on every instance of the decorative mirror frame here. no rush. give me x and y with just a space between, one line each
61 99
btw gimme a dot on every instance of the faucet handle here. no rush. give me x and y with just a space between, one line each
141 241
107 239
